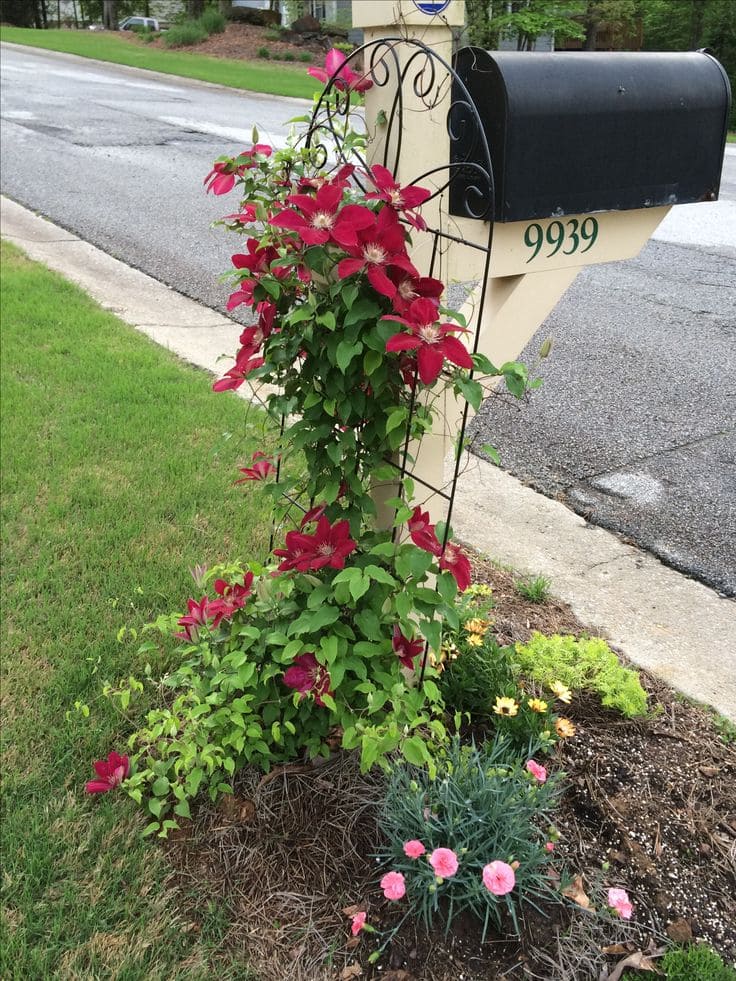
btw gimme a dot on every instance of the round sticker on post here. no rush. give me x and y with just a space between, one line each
431 7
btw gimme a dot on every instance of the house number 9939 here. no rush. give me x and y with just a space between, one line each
567 236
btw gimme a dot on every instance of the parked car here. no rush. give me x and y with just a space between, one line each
139 24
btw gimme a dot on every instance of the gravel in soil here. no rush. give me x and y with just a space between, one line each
650 806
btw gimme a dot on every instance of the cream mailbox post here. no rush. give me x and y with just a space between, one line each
588 152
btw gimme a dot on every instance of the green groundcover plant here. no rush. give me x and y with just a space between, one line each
323 644
585 664
476 838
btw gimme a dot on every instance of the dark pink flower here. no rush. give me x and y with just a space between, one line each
432 340
444 862
246 215
618 900
499 878
393 885
246 361
256 260
454 560
357 923
402 199
200 614
221 178
232 595
406 649
319 218
422 533
110 774
410 288
345 78
307 675
328 546
380 248
261 468
538 771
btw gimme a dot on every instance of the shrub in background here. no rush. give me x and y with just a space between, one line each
695 963
184 34
212 21
486 808
586 664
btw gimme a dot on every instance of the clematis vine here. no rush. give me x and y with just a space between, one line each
200 614
221 178
308 676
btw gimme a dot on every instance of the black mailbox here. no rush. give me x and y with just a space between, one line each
578 132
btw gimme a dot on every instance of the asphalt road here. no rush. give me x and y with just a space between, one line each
634 426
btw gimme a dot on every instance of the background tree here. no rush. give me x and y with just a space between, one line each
528 20
110 14
617 15
686 25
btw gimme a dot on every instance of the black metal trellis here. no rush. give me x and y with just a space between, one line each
406 67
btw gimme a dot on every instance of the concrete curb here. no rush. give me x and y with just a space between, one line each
677 628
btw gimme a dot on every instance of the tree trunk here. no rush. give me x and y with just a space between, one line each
195 8
591 23
697 15
110 15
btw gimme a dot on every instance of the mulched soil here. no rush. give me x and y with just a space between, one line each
242 42
650 806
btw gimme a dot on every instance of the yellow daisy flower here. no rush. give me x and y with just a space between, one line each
475 640
506 706
537 705
561 691
564 728
477 626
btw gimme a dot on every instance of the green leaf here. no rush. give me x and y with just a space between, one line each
182 809
415 751
160 787
379 575
470 390
483 365
328 646
371 361
396 418
359 586
346 352
492 452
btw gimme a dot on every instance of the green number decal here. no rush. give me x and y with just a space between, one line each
589 236
572 225
556 236
536 242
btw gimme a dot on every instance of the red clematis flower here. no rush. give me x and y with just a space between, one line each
199 615
345 77
232 595
313 514
432 340
409 288
256 260
221 178
308 184
454 560
261 469
246 215
380 247
405 649
110 773
308 675
322 219
329 545
245 362
402 199
422 533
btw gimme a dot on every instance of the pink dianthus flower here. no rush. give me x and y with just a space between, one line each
393 885
499 878
444 862
414 848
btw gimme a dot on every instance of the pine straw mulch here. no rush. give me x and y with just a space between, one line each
242 42
654 798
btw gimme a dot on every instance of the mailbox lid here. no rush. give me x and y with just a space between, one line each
579 132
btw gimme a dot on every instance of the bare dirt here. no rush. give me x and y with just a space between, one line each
650 806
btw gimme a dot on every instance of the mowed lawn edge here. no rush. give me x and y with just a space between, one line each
251 76
118 465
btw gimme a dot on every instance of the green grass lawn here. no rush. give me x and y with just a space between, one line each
117 476
107 46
